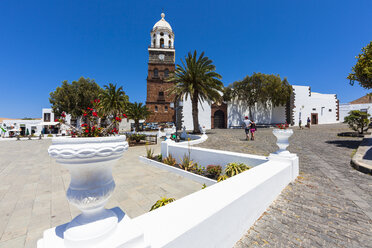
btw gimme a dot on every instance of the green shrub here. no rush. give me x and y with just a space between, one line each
149 153
186 163
233 169
50 135
159 157
213 171
170 160
222 178
137 137
198 169
162 202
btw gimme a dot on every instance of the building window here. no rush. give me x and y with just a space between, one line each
156 73
161 34
166 73
161 93
364 110
169 37
330 110
153 36
170 44
46 117
154 42
156 108
162 42
166 108
314 109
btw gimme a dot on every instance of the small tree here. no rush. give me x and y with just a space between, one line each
362 71
357 120
137 111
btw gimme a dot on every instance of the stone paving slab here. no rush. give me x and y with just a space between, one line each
33 188
330 203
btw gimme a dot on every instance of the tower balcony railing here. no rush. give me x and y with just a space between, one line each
164 47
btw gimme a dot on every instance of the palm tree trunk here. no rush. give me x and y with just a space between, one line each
195 117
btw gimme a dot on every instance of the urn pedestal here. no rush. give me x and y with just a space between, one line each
282 136
90 162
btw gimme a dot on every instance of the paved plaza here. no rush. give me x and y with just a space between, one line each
329 205
33 186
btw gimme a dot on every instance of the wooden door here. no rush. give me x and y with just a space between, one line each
314 119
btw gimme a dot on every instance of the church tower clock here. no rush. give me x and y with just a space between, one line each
160 65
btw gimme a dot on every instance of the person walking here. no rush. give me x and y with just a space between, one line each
252 129
246 125
308 122
300 124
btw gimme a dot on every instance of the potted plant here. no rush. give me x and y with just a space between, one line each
89 155
282 134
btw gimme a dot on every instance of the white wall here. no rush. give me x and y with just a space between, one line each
237 110
204 114
347 107
16 124
219 215
307 102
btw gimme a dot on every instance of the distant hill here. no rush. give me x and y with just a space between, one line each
363 99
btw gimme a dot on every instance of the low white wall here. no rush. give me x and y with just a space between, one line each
197 178
219 215
346 108
204 156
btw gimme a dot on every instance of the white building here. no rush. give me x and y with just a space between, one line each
363 104
320 108
20 127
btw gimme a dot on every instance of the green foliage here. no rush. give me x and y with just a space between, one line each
222 178
170 160
136 137
196 78
113 101
204 186
362 71
233 169
186 163
357 120
149 153
162 202
198 169
50 135
75 97
263 88
137 111
159 157
213 171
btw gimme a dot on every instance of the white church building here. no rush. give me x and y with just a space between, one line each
303 104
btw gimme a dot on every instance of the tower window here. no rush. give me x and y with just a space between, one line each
170 43
161 93
156 73
154 42
166 73
162 42
169 37
156 108
153 36
166 109
161 34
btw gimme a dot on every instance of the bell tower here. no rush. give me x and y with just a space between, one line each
160 66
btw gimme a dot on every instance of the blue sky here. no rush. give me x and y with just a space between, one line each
43 43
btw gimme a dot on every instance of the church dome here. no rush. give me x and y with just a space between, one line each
162 24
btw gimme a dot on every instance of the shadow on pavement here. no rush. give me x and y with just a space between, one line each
368 154
352 144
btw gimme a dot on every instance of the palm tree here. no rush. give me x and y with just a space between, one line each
198 80
137 111
113 101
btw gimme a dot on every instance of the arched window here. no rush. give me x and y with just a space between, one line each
156 108
162 42
154 43
153 36
156 73
166 73
170 44
169 37
161 34
166 109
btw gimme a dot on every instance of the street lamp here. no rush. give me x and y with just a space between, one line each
179 106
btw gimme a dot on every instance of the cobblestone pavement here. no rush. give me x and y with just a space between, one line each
33 186
329 205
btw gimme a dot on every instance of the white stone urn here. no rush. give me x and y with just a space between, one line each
203 129
282 136
168 132
90 162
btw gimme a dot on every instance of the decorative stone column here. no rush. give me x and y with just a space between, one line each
90 162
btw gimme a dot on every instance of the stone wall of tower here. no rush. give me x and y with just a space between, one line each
159 104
